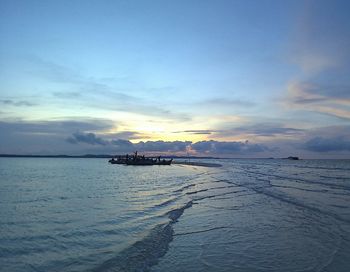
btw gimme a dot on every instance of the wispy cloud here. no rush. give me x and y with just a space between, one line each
58 127
67 95
320 49
267 129
262 130
19 103
98 93
225 102
334 101
198 131
322 36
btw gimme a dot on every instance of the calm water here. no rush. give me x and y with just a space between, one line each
249 215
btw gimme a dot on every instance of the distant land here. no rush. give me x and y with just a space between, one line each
105 156
101 156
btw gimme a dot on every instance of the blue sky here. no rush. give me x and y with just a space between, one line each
230 78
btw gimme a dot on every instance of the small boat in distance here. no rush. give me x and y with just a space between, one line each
293 158
136 159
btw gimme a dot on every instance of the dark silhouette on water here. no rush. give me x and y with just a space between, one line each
136 159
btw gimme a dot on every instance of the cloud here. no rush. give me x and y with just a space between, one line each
50 137
320 144
67 95
320 48
20 103
126 145
261 129
331 100
307 92
267 129
258 130
58 127
98 93
88 138
122 145
202 147
53 72
127 135
198 131
163 146
216 147
322 36
225 102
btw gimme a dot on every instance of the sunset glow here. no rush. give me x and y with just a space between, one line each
271 76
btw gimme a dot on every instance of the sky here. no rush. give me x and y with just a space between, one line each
257 78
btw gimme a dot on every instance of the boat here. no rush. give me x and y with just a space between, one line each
118 160
149 161
113 161
136 159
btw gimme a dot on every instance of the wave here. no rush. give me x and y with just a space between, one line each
196 192
282 198
330 185
201 231
144 253
184 188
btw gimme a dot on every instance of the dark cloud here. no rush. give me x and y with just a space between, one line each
21 103
126 145
87 138
82 137
197 131
320 144
216 147
162 146
203 147
122 145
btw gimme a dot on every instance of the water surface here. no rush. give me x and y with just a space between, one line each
249 215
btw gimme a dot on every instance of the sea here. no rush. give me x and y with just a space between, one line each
70 214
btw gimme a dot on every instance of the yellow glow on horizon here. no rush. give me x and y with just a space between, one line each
150 128
154 128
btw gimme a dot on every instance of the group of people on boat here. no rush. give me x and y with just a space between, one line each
136 159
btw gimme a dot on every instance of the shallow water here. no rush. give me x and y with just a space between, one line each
249 215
